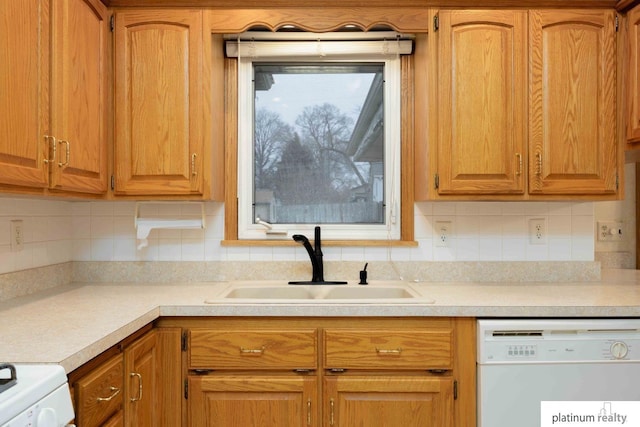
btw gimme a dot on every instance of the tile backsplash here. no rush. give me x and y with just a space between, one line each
60 231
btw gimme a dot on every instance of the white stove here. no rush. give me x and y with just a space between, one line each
35 396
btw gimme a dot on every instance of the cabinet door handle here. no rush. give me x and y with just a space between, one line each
67 151
539 163
331 411
519 160
139 397
389 351
254 351
194 172
114 392
308 412
52 140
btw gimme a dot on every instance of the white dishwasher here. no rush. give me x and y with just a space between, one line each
523 362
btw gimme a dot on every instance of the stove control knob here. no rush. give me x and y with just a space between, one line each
619 350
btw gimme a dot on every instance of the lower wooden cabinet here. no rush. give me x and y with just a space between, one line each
115 421
274 372
252 401
98 395
388 401
134 384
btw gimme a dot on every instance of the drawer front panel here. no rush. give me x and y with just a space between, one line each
387 349
253 349
99 394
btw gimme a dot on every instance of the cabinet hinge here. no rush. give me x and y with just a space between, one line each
436 23
186 389
183 341
617 23
436 181
617 181
113 183
455 390
112 23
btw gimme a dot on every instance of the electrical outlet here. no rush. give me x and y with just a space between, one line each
443 232
538 231
17 235
610 231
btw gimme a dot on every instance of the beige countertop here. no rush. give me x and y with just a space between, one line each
71 324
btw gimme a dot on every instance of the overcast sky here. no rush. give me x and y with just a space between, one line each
292 92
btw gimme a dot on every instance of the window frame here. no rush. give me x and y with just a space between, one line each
407 169
390 230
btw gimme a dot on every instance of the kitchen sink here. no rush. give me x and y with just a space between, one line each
367 292
277 292
269 292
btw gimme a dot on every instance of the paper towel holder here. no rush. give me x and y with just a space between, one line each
144 225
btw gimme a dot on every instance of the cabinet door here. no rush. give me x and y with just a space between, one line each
153 379
141 361
98 395
79 101
158 102
252 401
24 92
572 110
482 101
388 401
633 126
116 421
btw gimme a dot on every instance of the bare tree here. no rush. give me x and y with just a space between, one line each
270 136
327 130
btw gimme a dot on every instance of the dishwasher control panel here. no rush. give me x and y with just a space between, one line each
522 341
522 351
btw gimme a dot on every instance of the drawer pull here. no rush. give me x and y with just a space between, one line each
139 397
67 151
252 351
114 392
52 147
194 172
393 351
538 163
331 413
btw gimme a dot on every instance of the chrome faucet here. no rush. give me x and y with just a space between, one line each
315 254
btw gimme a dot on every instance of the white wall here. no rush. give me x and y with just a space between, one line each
624 212
47 227
104 231
61 231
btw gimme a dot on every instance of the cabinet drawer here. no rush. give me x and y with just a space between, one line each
387 349
252 349
99 394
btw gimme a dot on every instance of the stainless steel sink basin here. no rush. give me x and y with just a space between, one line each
280 292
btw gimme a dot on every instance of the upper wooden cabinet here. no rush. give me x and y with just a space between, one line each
526 105
482 143
24 83
79 96
53 94
633 76
572 102
159 146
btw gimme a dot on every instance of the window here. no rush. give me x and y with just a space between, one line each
322 143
